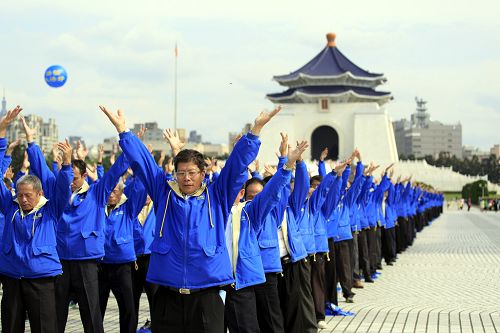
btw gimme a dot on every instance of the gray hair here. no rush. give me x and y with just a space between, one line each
32 180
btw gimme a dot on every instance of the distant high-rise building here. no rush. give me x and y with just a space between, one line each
420 136
3 112
194 137
46 136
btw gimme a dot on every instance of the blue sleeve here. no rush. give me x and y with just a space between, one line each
62 190
105 186
320 194
353 192
143 164
266 200
333 196
345 178
136 198
300 189
169 176
281 161
235 171
257 175
38 166
100 171
365 189
55 168
215 176
322 169
5 195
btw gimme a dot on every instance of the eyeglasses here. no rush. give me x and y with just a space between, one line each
190 173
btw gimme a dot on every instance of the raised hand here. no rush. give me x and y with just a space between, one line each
324 154
214 167
112 159
262 119
11 147
295 154
161 159
66 150
118 119
269 170
26 163
174 141
8 119
236 139
100 153
9 174
141 132
169 167
81 152
339 168
283 144
30 133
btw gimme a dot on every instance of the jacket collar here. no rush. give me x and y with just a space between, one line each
43 200
175 187
123 199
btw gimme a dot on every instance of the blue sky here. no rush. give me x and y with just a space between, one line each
121 54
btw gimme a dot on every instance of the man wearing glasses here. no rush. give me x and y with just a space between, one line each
189 260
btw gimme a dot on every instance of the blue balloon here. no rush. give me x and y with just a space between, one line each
56 76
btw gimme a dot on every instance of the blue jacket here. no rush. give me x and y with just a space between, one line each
249 266
330 184
189 249
333 208
351 197
144 230
29 240
120 221
80 230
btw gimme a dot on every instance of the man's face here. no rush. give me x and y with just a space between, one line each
314 185
115 196
253 190
27 197
189 177
78 179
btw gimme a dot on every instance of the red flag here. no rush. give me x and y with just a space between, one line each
176 50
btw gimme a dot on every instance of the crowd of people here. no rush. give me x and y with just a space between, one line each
276 243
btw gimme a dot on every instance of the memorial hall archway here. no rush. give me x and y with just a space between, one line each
325 137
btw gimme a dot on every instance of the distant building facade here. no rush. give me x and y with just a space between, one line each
421 136
46 136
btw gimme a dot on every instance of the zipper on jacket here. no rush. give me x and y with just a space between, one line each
185 243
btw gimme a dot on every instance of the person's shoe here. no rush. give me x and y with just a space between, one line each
390 263
369 280
349 299
322 324
357 284
379 266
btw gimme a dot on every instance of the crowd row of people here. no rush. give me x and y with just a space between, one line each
277 244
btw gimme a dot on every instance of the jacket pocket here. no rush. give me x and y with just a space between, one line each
160 247
93 233
48 249
122 240
211 250
267 243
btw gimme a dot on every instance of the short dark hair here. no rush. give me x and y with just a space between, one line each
252 181
190 155
80 165
266 179
317 178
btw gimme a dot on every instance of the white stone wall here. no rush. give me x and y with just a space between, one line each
363 125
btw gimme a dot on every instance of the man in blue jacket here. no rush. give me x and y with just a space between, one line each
29 261
80 234
189 260
247 219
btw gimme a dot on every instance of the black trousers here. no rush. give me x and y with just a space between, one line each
331 275
363 253
118 279
296 298
269 312
240 314
81 278
389 244
318 284
199 312
37 297
338 269
139 284
371 236
378 249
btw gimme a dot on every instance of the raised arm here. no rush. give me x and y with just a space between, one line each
141 160
301 184
108 182
63 181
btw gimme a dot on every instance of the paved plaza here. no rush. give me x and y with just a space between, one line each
448 281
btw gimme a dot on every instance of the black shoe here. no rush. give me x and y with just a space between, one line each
390 263
379 266
349 299
369 280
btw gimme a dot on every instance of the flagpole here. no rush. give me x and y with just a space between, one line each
175 89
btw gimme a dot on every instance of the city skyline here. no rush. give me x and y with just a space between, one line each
125 59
